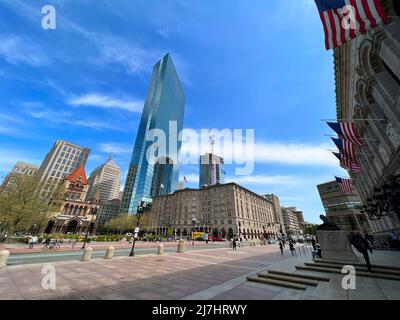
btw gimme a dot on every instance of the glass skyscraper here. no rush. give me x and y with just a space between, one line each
165 102
211 170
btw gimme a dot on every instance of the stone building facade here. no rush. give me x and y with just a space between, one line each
108 210
20 169
63 158
293 221
225 209
75 215
367 73
104 180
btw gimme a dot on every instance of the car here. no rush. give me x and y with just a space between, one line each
271 241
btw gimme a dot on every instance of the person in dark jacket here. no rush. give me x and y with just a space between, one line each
313 243
291 247
281 247
234 243
362 245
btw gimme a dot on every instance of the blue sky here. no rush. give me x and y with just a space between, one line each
243 64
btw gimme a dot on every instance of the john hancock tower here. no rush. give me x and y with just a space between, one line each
165 102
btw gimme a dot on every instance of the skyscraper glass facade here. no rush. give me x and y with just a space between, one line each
211 170
165 102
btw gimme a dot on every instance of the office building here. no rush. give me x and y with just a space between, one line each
108 210
211 170
105 181
292 222
164 111
20 169
343 209
63 158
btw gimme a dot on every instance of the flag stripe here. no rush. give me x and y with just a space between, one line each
333 28
334 16
367 9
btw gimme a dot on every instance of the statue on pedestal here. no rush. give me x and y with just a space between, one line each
327 225
334 242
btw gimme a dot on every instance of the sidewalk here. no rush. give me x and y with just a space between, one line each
207 272
203 274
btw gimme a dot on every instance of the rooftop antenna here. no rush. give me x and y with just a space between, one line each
212 143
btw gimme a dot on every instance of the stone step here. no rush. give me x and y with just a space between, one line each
359 273
279 283
294 279
300 275
380 266
358 268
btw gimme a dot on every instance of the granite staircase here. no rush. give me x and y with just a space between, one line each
287 279
335 267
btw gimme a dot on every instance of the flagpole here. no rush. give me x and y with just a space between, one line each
345 177
366 139
350 120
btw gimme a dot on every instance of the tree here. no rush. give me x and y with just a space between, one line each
170 231
121 224
127 223
310 229
21 206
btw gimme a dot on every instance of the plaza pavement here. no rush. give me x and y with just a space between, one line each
218 273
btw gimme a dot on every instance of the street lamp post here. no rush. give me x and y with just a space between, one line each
140 210
93 212
385 201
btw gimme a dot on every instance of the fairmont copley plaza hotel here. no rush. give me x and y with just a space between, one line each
225 209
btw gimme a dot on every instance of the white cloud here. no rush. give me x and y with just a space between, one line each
9 157
265 180
290 153
116 148
54 117
107 102
16 50
294 154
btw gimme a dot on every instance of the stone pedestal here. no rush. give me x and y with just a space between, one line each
336 246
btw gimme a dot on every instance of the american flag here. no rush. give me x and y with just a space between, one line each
344 20
344 162
346 130
345 185
347 149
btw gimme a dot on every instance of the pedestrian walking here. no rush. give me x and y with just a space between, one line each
291 247
31 243
362 245
281 247
234 244
313 243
